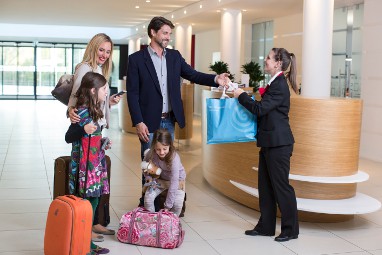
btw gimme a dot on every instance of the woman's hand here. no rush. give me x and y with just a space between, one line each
114 99
74 117
237 92
90 128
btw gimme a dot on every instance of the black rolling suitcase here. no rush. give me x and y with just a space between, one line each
61 186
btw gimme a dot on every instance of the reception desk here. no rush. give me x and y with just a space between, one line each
125 123
324 166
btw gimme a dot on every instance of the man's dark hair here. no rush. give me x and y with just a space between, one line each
157 23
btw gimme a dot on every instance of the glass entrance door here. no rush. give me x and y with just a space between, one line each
17 69
52 61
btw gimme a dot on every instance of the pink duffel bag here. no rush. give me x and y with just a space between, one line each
156 229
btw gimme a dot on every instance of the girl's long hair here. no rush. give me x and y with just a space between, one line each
91 54
164 137
85 97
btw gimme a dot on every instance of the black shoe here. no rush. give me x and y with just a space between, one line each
284 238
254 232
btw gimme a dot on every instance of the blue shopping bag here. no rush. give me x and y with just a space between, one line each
229 122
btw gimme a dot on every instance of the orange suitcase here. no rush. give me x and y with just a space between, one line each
68 226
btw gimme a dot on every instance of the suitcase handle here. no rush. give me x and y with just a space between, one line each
72 197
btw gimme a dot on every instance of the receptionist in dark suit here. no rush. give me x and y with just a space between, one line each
275 139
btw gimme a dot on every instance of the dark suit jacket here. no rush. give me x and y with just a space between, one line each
144 96
272 114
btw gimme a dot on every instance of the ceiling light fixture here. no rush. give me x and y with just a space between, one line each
185 12
147 1
137 7
201 6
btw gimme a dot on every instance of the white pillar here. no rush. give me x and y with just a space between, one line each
132 46
230 40
138 44
183 38
317 48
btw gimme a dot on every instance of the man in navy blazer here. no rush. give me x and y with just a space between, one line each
154 77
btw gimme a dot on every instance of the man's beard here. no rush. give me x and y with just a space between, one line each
163 44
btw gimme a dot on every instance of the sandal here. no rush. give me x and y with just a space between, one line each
100 250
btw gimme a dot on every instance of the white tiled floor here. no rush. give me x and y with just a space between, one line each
32 136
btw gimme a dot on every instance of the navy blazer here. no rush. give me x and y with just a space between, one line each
272 112
144 95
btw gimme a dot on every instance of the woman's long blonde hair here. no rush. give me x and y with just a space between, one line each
91 54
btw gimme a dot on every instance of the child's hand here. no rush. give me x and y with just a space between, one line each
105 143
108 146
90 128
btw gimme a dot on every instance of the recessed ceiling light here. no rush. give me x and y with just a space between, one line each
185 12
137 7
201 6
172 16
147 1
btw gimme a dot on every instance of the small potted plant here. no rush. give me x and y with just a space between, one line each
220 67
255 74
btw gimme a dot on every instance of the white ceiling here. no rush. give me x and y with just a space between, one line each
122 14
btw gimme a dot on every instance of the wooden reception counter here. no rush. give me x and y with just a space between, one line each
324 165
125 123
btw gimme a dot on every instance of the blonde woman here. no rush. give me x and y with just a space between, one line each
97 58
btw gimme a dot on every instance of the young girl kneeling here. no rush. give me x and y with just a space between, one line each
173 177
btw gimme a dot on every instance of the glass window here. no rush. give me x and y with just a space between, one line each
52 62
347 48
33 69
114 78
262 43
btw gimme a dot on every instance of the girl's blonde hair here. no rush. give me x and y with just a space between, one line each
91 54
164 137
86 98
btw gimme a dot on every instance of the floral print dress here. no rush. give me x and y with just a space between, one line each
87 156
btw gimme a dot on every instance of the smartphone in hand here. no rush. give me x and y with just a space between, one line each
120 93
